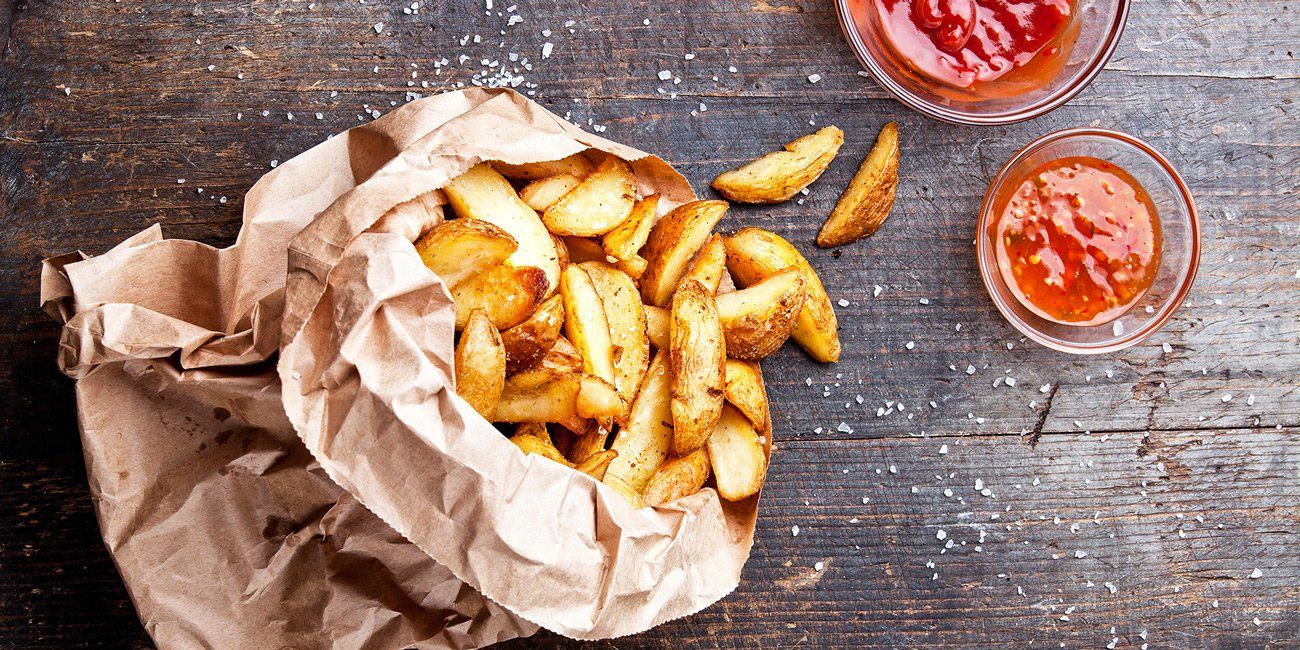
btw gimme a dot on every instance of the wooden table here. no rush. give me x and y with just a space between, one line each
1126 499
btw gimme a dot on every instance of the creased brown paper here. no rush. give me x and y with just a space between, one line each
226 529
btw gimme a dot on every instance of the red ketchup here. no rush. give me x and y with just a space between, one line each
964 43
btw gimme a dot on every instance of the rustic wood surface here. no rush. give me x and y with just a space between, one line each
1127 501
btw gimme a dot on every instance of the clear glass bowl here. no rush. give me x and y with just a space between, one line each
1100 23
1179 258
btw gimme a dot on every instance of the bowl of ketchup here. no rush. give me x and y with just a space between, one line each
983 61
1088 240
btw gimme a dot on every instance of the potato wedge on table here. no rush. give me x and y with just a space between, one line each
736 456
626 319
597 205
869 197
744 390
550 396
656 326
672 244
697 356
527 342
576 165
544 192
676 478
625 241
756 320
480 364
509 294
780 175
585 323
709 264
462 248
754 254
481 193
644 442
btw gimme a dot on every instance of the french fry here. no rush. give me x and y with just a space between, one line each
643 443
626 319
462 248
585 323
736 456
481 193
656 326
480 361
672 245
754 254
697 356
758 319
527 342
542 193
600 203
597 464
744 390
676 478
780 175
509 294
576 165
709 264
623 489
624 242
867 200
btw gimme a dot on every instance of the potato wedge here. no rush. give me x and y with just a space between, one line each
780 175
599 400
623 489
527 342
624 242
585 323
736 456
709 264
758 319
754 254
672 245
597 464
744 390
509 294
626 318
462 248
656 326
643 443
869 197
698 356
480 361
562 357
561 251
481 193
542 446
582 250
600 203
576 165
542 193
550 396
676 478
587 443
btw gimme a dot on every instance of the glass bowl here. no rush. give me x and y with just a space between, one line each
1099 25
1180 254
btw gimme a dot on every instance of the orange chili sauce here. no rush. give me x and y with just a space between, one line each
1078 241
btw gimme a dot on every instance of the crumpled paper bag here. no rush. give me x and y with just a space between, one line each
366 337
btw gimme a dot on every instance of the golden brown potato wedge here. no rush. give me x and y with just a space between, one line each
542 193
709 264
656 326
480 364
509 294
697 355
582 250
562 357
599 400
462 248
481 193
744 390
561 251
756 320
644 442
623 489
585 323
676 478
550 396
624 242
736 456
780 175
587 443
600 203
672 245
598 463
626 318
576 165
754 254
869 197
542 446
527 342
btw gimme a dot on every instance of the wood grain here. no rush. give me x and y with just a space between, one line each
103 106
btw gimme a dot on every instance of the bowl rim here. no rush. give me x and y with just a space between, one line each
956 116
987 266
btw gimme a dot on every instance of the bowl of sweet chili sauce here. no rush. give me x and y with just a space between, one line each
983 61
1088 240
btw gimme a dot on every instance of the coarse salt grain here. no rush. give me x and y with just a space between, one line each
794 531
814 78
